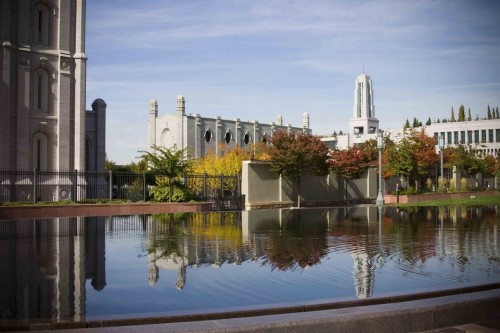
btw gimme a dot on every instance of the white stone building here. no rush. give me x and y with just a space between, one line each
200 134
43 121
363 125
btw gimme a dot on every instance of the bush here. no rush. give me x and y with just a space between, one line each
179 193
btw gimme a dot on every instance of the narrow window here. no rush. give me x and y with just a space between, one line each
39 92
246 138
38 154
208 135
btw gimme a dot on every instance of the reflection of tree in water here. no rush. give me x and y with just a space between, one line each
298 244
179 240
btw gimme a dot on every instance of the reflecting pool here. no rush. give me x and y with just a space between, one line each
83 268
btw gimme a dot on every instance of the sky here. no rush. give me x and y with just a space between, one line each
256 59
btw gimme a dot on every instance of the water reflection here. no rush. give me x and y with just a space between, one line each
289 254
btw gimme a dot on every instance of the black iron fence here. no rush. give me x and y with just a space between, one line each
88 186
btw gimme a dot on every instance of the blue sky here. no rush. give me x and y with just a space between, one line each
255 59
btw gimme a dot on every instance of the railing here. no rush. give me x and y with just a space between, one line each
88 186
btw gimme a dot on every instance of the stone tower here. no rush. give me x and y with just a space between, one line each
363 123
43 90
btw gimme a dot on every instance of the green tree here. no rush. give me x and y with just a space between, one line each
498 115
407 124
452 119
169 162
296 155
461 113
428 122
489 112
469 117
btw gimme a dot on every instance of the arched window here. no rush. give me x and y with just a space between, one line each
228 136
208 135
42 25
41 91
246 138
40 152
88 155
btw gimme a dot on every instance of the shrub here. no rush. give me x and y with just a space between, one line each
179 193
463 184
428 184
453 186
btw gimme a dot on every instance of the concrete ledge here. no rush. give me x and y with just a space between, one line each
30 212
403 313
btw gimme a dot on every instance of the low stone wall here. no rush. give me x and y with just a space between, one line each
29 212
404 199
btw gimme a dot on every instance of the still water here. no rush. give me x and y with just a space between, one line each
83 268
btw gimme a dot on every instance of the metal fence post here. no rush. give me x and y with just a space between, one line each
35 181
75 185
221 185
110 185
204 186
144 186
238 184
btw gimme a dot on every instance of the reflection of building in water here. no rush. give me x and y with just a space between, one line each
44 274
363 275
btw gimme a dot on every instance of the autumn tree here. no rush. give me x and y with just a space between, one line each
370 149
412 156
465 160
348 163
296 155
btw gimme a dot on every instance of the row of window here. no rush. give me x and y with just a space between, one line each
228 137
475 136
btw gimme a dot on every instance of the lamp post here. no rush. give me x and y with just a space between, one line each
380 146
441 148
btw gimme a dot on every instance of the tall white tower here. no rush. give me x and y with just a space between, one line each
363 124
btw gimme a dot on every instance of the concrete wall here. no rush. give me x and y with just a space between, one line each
264 188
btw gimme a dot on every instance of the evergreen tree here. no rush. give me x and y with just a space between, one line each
452 115
407 124
497 113
461 113
415 122
428 122
489 112
469 117
438 121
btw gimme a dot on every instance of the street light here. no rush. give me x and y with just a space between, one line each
380 146
441 148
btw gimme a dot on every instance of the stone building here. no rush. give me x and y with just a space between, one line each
43 121
200 134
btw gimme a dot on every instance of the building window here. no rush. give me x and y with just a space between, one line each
469 137
41 91
476 136
448 141
40 152
88 154
462 137
246 138
483 136
228 137
455 137
490 135
497 134
42 25
208 135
